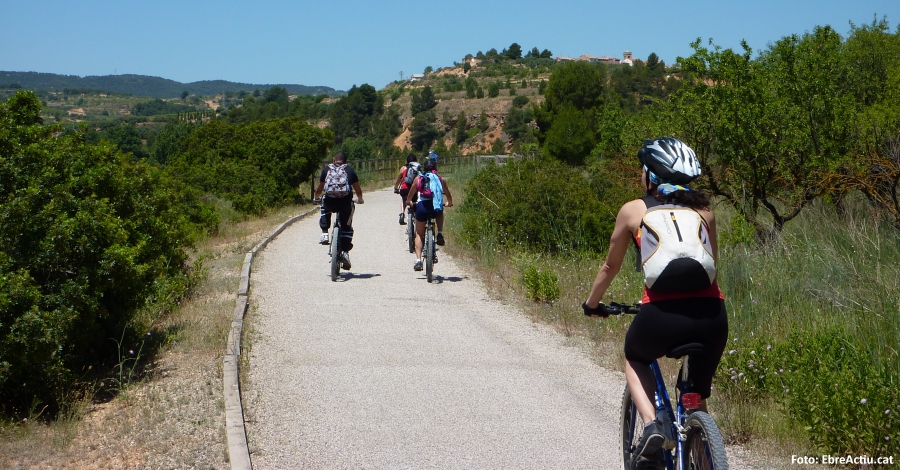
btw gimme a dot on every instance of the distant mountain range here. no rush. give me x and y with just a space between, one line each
144 85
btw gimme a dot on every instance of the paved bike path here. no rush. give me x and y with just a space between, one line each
384 370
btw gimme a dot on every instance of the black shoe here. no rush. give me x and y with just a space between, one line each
402 219
653 462
652 440
440 239
345 260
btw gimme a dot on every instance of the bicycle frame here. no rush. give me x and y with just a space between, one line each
676 417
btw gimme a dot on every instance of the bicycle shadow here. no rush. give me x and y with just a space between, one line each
348 276
442 279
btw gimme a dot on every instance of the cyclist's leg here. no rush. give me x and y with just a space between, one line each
422 213
643 387
325 214
440 221
404 193
711 323
345 212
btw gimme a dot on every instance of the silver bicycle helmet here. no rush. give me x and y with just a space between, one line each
670 160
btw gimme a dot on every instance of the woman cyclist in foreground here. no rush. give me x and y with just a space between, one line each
670 319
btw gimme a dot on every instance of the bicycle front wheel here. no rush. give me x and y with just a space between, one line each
631 427
335 252
429 253
703 447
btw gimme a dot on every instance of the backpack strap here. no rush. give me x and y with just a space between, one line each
650 201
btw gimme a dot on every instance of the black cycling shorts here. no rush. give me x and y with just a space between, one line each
661 326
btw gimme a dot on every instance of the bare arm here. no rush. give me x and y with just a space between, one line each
446 189
319 190
627 223
413 191
397 182
358 189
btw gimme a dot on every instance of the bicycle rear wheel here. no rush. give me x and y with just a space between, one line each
631 426
411 231
335 252
429 252
703 447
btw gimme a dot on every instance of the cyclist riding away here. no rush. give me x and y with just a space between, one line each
690 309
404 180
425 207
336 181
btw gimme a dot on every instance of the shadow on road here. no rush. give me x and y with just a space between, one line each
348 276
441 279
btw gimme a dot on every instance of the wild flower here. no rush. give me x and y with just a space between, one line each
769 347
887 411
752 353
863 401
732 351
741 374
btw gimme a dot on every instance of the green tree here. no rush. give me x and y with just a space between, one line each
461 128
257 166
88 238
422 131
479 92
167 141
482 122
570 139
494 89
498 147
422 100
768 130
514 52
184 95
127 139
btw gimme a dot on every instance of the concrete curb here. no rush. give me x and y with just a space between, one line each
238 451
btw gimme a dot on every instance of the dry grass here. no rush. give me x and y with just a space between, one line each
173 417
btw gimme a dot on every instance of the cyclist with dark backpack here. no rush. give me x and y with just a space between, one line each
337 182
404 181
675 230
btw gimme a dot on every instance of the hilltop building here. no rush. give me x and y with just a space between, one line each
605 59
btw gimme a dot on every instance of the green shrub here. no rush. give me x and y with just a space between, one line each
826 383
257 166
86 237
542 205
541 285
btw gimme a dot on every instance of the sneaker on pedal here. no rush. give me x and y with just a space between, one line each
652 440
418 265
345 260
653 462
402 219
440 239
324 240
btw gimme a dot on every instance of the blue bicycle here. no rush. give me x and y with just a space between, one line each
697 442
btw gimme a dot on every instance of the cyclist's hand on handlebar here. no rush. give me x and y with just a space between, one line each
600 310
396 190
359 200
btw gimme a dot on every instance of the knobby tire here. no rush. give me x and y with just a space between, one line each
335 252
703 447
631 427
429 253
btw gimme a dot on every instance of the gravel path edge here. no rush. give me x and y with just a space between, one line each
238 452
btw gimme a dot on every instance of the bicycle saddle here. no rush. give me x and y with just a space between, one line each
686 350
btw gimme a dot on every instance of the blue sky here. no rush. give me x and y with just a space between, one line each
341 43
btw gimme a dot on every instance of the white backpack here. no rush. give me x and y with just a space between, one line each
676 255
